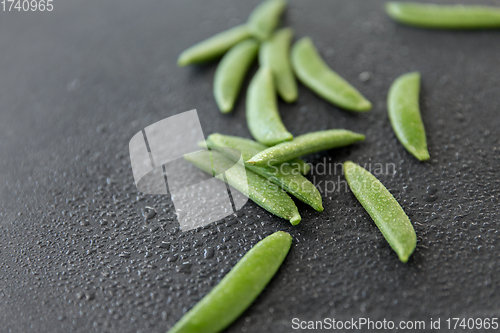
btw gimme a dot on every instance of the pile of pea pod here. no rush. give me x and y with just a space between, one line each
272 161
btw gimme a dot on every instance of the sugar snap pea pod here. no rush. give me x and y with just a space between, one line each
259 190
314 73
238 289
275 53
305 144
231 72
262 113
297 164
282 175
383 209
404 114
444 16
214 47
265 18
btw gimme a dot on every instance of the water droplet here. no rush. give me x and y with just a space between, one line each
364 76
148 213
185 268
208 253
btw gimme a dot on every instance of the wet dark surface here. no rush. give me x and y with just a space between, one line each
80 252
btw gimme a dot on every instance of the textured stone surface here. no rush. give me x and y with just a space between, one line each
78 254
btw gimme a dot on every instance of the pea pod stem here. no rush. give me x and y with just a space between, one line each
231 72
444 16
265 18
404 114
214 47
282 175
238 289
385 211
262 113
305 144
257 188
314 73
275 53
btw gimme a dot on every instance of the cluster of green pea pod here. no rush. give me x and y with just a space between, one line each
273 160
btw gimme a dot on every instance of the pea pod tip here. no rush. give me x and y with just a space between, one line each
283 234
357 137
295 219
225 107
364 106
290 98
348 164
182 61
404 258
422 155
278 139
391 7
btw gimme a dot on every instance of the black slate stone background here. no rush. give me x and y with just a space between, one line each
78 251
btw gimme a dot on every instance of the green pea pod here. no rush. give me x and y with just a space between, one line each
404 114
238 289
444 16
275 53
282 175
265 18
259 190
305 144
297 164
253 147
314 73
262 113
383 209
214 47
231 72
